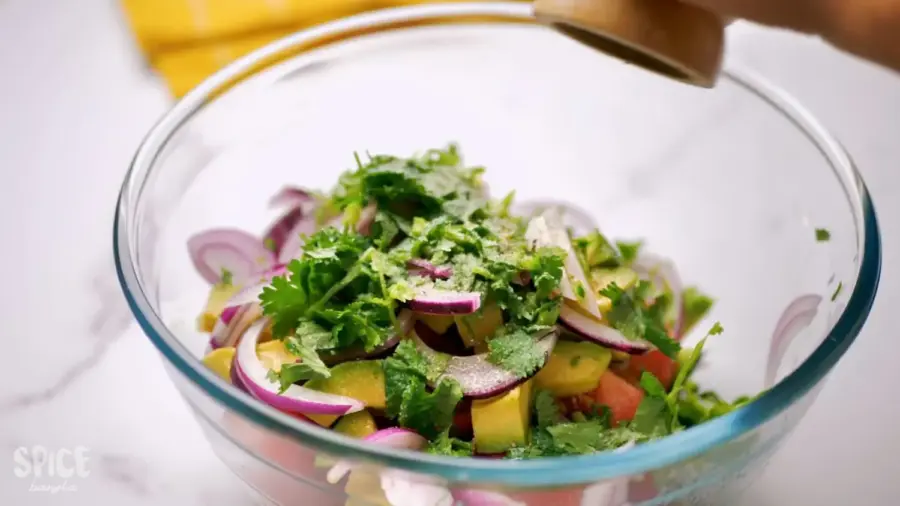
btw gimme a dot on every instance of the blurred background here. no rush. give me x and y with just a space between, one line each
186 40
81 81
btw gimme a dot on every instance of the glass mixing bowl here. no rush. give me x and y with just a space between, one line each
730 183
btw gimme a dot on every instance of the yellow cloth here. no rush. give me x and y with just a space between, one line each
187 40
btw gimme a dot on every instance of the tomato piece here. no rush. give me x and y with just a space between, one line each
620 396
664 368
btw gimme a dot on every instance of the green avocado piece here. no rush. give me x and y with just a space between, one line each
574 368
362 380
359 425
601 278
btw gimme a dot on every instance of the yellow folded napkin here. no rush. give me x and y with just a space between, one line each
187 40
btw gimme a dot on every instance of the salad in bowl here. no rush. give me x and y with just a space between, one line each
410 308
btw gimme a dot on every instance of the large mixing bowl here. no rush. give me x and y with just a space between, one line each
730 183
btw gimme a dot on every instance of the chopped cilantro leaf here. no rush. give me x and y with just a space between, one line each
580 291
449 446
329 266
837 291
546 410
295 373
578 438
696 306
408 399
687 368
430 413
631 316
309 367
227 277
406 368
629 251
384 230
823 235
652 418
516 352
652 385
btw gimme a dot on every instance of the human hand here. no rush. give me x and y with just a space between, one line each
867 28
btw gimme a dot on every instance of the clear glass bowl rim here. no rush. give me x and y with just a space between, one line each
530 473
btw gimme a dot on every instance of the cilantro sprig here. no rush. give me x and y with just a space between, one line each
636 317
516 351
408 400
554 435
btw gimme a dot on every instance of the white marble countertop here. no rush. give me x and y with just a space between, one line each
75 99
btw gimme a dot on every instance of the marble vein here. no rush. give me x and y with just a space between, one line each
108 323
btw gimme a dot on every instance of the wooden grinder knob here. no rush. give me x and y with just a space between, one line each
671 38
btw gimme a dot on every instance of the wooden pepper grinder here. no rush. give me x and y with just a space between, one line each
671 38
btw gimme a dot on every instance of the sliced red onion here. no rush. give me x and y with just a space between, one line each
593 330
236 251
296 238
252 292
279 232
428 269
234 321
796 317
394 437
291 196
296 399
402 488
547 230
228 314
431 301
469 497
235 380
478 377
397 437
405 323
663 273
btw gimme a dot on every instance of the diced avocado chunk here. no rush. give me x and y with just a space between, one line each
359 425
219 296
362 380
502 422
219 361
574 368
436 322
624 277
476 329
273 355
